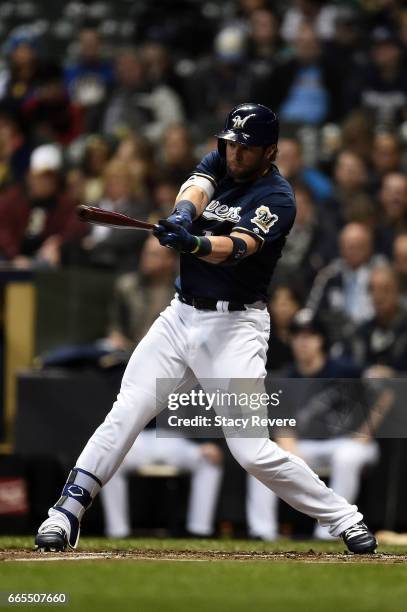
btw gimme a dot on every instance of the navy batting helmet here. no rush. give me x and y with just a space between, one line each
249 124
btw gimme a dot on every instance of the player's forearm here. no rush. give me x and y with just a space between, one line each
228 250
195 195
222 247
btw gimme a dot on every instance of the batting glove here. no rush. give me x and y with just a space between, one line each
183 214
180 218
175 237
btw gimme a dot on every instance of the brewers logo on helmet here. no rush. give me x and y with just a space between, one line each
249 124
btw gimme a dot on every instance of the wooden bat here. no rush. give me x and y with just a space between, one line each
93 214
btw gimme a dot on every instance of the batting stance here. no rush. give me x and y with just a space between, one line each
229 224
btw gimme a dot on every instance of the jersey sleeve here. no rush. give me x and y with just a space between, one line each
212 167
269 219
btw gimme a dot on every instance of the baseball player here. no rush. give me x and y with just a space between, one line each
229 224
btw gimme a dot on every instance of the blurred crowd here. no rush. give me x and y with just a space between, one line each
118 115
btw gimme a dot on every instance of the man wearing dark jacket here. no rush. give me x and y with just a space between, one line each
35 222
304 89
382 341
380 88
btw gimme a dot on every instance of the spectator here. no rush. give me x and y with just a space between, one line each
137 152
325 419
386 156
89 77
345 49
220 81
158 67
19 79
340 294
312 12
264 50
381 87
136 104
400 265
393 218
264 43
117 248
357 134
350 173
15 149
350 202
49 111
37 221
304 90
178 159
311 243
291 165
96 155
382 340
283 305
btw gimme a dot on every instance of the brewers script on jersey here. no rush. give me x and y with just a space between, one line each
230 224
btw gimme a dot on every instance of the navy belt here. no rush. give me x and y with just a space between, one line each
210 304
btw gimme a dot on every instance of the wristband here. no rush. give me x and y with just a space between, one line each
239 251
186 208
203 247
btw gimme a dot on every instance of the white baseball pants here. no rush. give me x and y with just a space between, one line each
211 344
344 457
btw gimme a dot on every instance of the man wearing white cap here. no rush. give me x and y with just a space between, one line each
36 219
46 158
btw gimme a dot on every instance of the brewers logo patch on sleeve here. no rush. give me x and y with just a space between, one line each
264 218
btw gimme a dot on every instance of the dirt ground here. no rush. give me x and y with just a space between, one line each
214 555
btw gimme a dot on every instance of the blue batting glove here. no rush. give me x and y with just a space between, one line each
175 237
183 214
181 218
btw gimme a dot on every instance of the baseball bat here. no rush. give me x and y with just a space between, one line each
93 214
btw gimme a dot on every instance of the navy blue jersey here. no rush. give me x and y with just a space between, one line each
263 208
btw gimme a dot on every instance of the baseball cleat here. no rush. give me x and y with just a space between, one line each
53 539
359 539
57 532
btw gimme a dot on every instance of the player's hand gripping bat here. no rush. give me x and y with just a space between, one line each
93 214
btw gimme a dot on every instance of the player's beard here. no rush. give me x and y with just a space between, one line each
246 174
